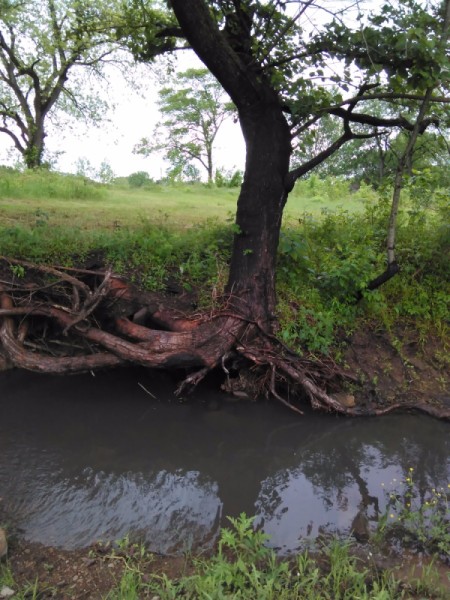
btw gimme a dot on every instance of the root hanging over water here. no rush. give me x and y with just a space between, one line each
59 320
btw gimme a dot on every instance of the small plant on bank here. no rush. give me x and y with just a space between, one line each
422 523
244 567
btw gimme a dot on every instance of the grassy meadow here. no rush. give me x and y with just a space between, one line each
27 198
332 244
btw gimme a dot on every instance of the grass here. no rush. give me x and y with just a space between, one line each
78 202
243 566
332 244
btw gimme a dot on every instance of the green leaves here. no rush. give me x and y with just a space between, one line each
193 107
404 41
40 44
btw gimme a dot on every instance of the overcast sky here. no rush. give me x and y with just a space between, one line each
134 116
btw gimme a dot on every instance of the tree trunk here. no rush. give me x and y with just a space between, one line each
259 212
35 146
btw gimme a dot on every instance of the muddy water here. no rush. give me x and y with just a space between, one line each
95 458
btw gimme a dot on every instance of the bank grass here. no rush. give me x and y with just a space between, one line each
75 201
243 566
183 234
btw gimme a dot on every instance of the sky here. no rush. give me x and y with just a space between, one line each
134 116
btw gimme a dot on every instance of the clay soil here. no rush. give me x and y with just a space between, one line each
89 573
398 368
94 573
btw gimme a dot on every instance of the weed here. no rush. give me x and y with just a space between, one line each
18 271
244 567
29 591
417 520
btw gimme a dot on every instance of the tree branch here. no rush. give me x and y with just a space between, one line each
322 156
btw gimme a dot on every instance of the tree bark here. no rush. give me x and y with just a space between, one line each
264 191
259 212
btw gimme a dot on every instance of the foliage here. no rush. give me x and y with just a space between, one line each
138 179
374 160
412 29
418 521
44 184
105 172
40 47
244 567
194 108
230 179
325 262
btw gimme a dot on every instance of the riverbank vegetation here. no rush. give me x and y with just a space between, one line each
179 237
295 115
243 566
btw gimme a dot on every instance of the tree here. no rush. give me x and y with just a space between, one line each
374 160
194 107
258 53
40 45
279 81
105 172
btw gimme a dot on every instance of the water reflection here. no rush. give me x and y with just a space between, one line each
85 458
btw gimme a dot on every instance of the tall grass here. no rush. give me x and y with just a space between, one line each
43 184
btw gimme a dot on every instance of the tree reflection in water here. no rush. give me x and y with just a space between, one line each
102 459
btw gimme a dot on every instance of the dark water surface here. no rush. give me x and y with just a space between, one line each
88 458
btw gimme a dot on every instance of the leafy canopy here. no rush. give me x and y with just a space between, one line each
194 107
41 41
323 58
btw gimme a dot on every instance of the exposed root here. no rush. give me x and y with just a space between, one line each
191 381
276 395
56 322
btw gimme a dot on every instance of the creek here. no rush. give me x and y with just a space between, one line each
87 458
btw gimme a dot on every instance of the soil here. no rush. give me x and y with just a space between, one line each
397 367
89 573
92 573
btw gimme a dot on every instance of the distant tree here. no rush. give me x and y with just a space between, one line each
194 107
230 179
84 167
138 179
373 160
40 45
105 172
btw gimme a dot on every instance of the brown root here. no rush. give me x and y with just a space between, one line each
86 320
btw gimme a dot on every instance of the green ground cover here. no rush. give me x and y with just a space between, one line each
332 244
78 202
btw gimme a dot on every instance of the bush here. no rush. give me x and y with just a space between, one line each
42 183
229 179
139 179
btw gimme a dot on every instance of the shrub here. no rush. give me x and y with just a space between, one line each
139 179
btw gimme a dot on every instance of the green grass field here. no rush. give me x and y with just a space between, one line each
75 202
